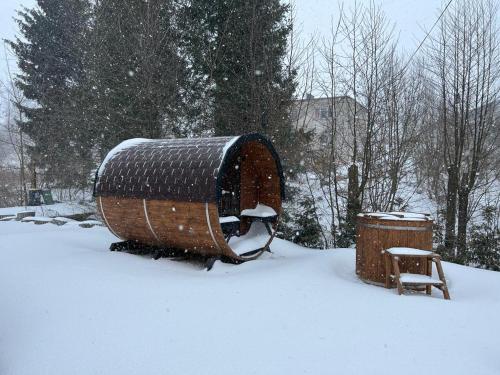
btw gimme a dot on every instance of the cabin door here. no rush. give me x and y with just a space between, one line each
231 183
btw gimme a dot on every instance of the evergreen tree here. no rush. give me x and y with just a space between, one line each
50 53
237 49
484 245
308 231
347 235
136 74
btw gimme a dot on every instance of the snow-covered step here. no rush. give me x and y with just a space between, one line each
412 278
402 251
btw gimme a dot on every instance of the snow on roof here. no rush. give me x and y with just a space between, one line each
228 146
185 169
177 169
120 148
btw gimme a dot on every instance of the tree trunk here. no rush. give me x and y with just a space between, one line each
353 203
33 178
451 209
463 206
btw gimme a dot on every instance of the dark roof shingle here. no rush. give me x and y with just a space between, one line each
174 169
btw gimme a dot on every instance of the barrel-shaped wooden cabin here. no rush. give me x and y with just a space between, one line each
217 196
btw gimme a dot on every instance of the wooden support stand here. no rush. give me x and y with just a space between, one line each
392 257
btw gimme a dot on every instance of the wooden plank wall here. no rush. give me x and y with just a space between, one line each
260 182
371 241
180 225
184 225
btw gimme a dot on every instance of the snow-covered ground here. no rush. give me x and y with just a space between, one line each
70 306
52 210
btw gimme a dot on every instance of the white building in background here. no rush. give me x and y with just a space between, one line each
340 115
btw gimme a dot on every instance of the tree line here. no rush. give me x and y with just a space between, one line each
418 123
422 125
94 73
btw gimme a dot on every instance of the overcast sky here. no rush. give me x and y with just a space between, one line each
410 17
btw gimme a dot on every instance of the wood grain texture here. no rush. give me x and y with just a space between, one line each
371 241
181 225
260 181
190 220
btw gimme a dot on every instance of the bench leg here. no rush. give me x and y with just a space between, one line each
210 262
268 227
395 264
439 267
428 288
157 254
387 263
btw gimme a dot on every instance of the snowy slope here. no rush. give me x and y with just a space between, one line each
69 306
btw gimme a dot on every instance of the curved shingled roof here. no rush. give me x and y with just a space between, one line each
174 169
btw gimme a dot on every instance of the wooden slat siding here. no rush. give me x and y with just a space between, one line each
186 227
124 216
218 234
259 179
371 241
181 225
101 213
249 180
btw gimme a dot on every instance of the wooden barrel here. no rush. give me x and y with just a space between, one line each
177 193
379 231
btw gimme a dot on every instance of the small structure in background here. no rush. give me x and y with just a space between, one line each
395 249
38 197
218 197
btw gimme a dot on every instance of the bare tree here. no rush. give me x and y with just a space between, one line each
463 63
404 113
14 137
356 58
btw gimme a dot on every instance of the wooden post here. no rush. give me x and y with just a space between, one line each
437 259
395 264
387 263
428 288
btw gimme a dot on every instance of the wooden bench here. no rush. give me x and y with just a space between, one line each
392 257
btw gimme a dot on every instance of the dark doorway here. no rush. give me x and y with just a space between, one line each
230 188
